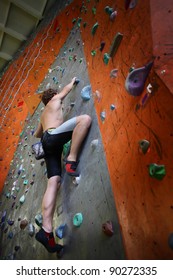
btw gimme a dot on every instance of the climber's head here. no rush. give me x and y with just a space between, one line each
48 94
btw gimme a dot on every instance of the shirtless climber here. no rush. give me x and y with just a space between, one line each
54 133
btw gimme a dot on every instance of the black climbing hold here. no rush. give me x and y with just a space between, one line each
116 42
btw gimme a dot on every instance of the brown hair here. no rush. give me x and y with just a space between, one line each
48 94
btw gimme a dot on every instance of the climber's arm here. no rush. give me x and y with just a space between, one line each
66 89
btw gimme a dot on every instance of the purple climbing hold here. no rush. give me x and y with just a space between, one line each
136 79
10 222
113 15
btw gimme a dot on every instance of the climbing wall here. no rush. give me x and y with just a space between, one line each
106 45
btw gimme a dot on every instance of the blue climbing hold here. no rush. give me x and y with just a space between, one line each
85 93
60 231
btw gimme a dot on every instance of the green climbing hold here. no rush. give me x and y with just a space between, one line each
106 58
94 28
22 199
157 171
109 10
144 145
79 21
66 148
77 219
93 52
94 11
25 182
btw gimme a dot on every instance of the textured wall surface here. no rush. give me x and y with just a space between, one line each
144 204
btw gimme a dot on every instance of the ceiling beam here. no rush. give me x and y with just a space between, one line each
5 56
12 33
30 10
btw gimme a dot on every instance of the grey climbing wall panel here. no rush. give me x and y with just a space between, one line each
93 195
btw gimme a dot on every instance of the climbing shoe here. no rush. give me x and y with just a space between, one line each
71 167
48 241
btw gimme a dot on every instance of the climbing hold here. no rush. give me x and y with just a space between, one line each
23 224
94 11
16 248
94 28
77 219
25 182
93 52
31 229
115 45
66 148
106 58
112 107
60 231
103 116
22 199
135 80
79 21
133 4
4 214
76 180
76 82
170 241
39 220
102 45
55 80
144 145
108 228
94 143
157 171
109 10
113 15
85 93
113 73
10 222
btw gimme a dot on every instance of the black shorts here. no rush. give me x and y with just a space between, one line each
53 141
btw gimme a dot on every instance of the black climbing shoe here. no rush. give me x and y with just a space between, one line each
46 241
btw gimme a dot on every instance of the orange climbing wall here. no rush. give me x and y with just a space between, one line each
144 204
19 83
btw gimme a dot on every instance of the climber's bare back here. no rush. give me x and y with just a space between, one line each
52 115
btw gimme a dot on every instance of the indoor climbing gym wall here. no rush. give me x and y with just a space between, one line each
123 194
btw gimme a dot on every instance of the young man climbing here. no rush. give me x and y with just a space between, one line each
54 133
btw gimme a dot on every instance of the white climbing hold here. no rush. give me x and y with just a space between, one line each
94 143
76 180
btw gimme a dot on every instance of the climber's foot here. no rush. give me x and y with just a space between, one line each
71 167
48 241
